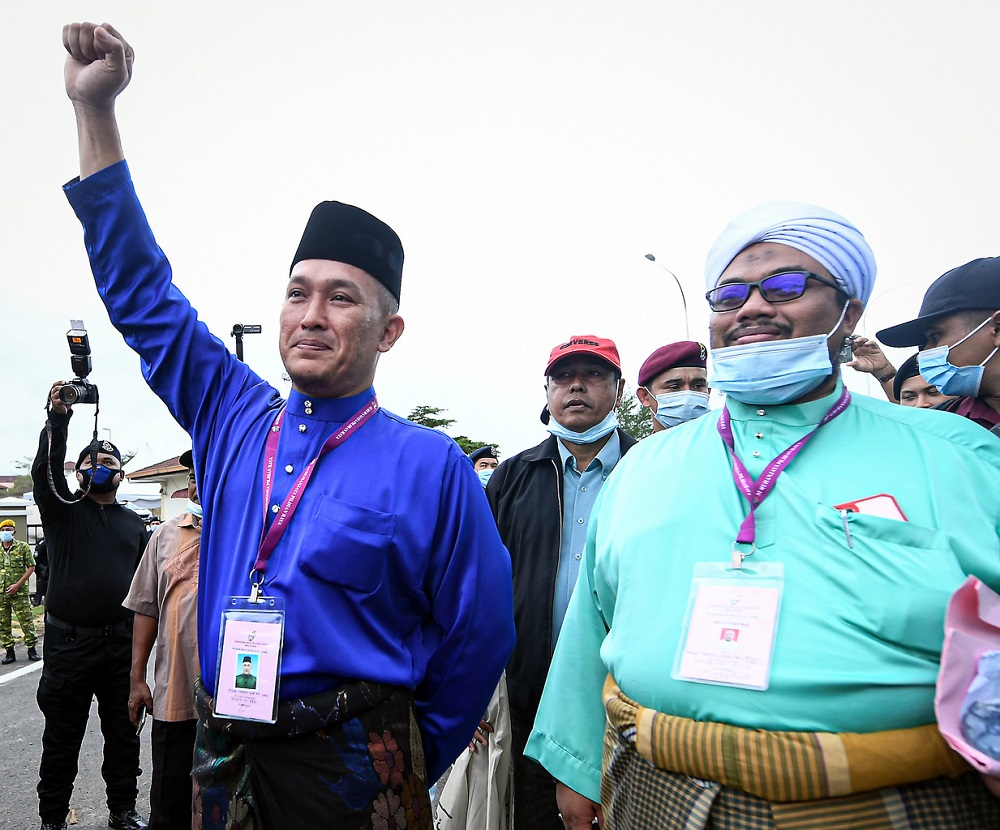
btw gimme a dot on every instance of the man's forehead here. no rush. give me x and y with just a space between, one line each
308 270
949 323
105 458
765 258
680 373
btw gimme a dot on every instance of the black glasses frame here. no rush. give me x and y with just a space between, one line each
761 286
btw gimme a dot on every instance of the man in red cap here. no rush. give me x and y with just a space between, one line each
673 384
541 499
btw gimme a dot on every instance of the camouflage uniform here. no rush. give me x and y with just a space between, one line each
14 561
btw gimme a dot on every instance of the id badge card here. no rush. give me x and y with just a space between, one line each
249 662
730 624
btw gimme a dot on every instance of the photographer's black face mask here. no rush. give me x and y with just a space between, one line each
103 480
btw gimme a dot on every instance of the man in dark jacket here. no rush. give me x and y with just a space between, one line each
541 499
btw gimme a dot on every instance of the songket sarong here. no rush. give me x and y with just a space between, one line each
661 771
350 758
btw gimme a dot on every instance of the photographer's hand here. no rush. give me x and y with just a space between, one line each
98 67
55 404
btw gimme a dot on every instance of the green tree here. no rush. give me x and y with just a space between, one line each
425 416
633 417
429 416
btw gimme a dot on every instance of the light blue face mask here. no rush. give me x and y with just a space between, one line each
774 371
674 408
193 508
484 475
595 433
6 536
962 381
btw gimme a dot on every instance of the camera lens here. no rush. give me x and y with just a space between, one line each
69 394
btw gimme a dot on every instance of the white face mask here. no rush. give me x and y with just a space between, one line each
673 408
595 433
774 371
193 508
6 536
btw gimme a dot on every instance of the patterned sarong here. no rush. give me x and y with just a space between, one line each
349 758
667 772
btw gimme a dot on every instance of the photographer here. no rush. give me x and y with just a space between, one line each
93 545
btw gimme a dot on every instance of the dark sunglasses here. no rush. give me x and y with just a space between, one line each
777 288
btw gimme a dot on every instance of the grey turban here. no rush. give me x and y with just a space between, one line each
822 234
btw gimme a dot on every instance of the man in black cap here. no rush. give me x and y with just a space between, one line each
910 388
958 332
484 462
360 543
673 384
94 545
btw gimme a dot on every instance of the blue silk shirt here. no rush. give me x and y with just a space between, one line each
391 569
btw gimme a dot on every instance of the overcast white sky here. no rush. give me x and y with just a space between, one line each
529 154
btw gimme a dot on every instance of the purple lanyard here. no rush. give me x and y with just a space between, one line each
755 491
284 516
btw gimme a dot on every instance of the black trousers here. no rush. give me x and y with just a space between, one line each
171 792
77 669
535 805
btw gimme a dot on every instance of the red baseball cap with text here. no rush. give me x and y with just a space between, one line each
588 344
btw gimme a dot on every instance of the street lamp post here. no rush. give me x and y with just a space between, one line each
687 330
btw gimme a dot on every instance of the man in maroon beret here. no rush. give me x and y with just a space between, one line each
673 384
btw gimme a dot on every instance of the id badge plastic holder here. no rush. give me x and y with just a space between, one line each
730 625
249 660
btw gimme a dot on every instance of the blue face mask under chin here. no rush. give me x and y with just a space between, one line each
595 433
962 381
774 371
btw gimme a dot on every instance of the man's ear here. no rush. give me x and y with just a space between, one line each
852 316
391 333
645 398
621 391
995 323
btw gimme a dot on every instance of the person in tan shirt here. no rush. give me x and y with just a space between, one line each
164 597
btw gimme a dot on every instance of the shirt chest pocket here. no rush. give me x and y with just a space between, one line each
893 580
347 545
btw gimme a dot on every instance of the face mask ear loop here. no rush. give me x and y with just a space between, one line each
843 314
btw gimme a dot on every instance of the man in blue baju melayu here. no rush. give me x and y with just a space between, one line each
372 533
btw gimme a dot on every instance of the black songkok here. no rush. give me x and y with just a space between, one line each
344 233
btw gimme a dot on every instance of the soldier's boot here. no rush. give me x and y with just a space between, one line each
10 658
33 655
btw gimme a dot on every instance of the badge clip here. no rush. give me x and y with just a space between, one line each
738 555
256 580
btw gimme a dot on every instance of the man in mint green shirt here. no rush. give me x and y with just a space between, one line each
852 643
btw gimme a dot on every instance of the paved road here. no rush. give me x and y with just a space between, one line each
21 749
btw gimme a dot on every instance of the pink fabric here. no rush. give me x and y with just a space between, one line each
971 627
